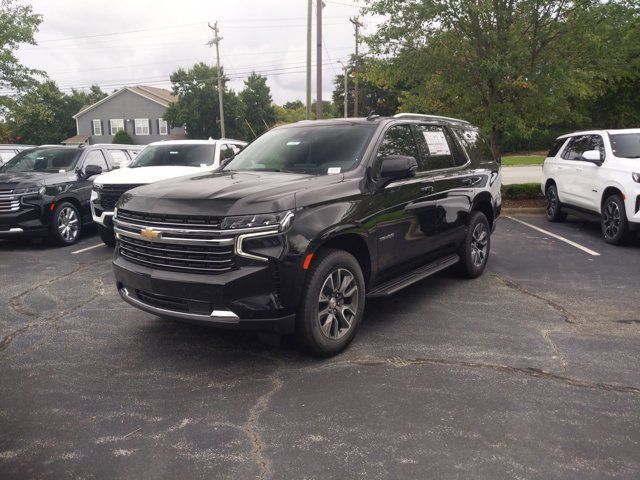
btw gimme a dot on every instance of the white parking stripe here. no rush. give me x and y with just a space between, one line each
88 248
562 239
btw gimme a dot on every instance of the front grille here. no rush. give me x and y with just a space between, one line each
110 194
9 202
172 221
177 257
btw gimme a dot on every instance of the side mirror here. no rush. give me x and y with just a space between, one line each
592 156
92 171
395 167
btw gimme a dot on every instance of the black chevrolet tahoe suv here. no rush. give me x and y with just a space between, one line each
295 232
45 191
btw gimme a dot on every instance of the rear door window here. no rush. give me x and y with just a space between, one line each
118 158
440 149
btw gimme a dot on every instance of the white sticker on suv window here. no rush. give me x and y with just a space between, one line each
437 143
293 143
333 170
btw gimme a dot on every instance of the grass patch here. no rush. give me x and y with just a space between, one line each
522 190
523 160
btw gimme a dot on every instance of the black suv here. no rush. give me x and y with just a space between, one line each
300 227
45 191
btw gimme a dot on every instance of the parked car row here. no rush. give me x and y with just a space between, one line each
48 191
596 174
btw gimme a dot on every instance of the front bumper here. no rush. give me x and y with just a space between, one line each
100 215
26 222
245 298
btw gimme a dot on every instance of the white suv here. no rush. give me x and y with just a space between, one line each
158 161
596 172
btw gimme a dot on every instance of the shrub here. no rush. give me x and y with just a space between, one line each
122 137
522 190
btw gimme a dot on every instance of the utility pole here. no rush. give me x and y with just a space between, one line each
356 25
345 74
309 33
216 42
319 58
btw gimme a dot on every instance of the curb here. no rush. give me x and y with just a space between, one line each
526 210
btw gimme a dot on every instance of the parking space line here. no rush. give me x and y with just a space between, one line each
558 237
88 248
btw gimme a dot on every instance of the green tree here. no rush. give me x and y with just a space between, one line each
197 106
509 65
122 138
286 115
375 94
42 116
18 25
257 104
45 114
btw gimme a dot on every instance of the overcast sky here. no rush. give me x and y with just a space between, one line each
82 42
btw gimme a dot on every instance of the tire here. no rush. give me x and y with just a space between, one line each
107 236
66 224
552 209
474 252
327 334
615 228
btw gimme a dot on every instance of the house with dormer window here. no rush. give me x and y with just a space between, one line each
138 110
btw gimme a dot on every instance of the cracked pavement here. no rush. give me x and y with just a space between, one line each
528 372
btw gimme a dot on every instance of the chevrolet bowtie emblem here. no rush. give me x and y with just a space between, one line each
150 234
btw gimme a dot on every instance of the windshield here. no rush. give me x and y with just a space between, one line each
318 150
626 145
43 160
175 155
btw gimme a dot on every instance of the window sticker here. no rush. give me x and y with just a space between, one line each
437 143
293 143
333 170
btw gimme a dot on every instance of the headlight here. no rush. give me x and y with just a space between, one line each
28 190
280 220
636 177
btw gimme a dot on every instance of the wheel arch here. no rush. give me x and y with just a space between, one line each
611 190
484 203
548 183
353 243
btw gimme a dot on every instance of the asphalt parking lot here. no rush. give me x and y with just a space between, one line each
529 372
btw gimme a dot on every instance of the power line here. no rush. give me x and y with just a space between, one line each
165 80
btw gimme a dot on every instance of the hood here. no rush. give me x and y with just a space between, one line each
223 193
11 180
145 175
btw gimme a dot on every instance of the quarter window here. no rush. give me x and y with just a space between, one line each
475 144
115 125
97 127
555 148
142 126
163 127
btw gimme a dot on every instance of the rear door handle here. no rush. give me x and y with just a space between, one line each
427 188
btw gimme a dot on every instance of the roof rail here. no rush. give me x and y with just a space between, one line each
429 117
